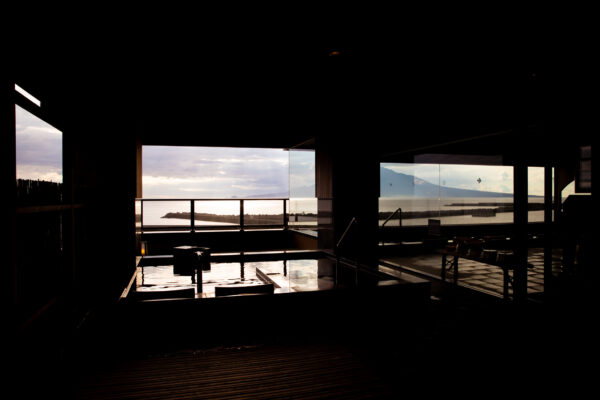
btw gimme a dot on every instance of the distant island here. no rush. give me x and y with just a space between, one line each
252 219
484 209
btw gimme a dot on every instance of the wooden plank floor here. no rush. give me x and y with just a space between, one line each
259 372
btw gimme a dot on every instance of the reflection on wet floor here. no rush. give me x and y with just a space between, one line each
285 275
479 275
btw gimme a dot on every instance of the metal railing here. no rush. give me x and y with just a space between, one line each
353 222
211 214
399 212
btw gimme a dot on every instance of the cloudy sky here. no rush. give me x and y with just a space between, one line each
216 172
493 178
213 172
38 148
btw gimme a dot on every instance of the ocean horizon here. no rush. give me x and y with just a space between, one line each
154 211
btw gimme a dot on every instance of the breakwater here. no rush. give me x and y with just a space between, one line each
483 210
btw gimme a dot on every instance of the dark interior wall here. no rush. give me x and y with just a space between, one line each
8 175
105 138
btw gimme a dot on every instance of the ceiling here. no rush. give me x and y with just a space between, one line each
398 92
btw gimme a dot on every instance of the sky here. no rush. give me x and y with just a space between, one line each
220 172
38 148
213 172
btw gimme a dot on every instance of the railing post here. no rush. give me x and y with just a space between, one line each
285 216
192 216
142 215
241 215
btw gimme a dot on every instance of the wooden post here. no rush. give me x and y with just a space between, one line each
241 215
192 216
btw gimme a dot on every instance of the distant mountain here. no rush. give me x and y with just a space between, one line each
396 184
280 195
296 192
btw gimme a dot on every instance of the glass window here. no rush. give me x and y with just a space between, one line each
214 180
39 234
535 185
263 212
166 213
214 172
455 194
216 213
39 159
303 202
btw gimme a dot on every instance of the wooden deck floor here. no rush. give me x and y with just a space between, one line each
254 372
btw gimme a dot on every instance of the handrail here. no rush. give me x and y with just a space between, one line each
392 215
352 222
242 224
389 218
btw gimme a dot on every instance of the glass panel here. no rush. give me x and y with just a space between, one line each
216 212
535 185
263 212
302 173
302 207
411 194
303 213
535 251
138 216
476 194
39 160
166 213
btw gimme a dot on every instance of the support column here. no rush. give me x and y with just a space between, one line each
520 232
347 179
548 234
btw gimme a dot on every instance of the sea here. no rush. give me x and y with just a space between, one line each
154 211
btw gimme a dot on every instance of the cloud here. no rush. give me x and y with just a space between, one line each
213 171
